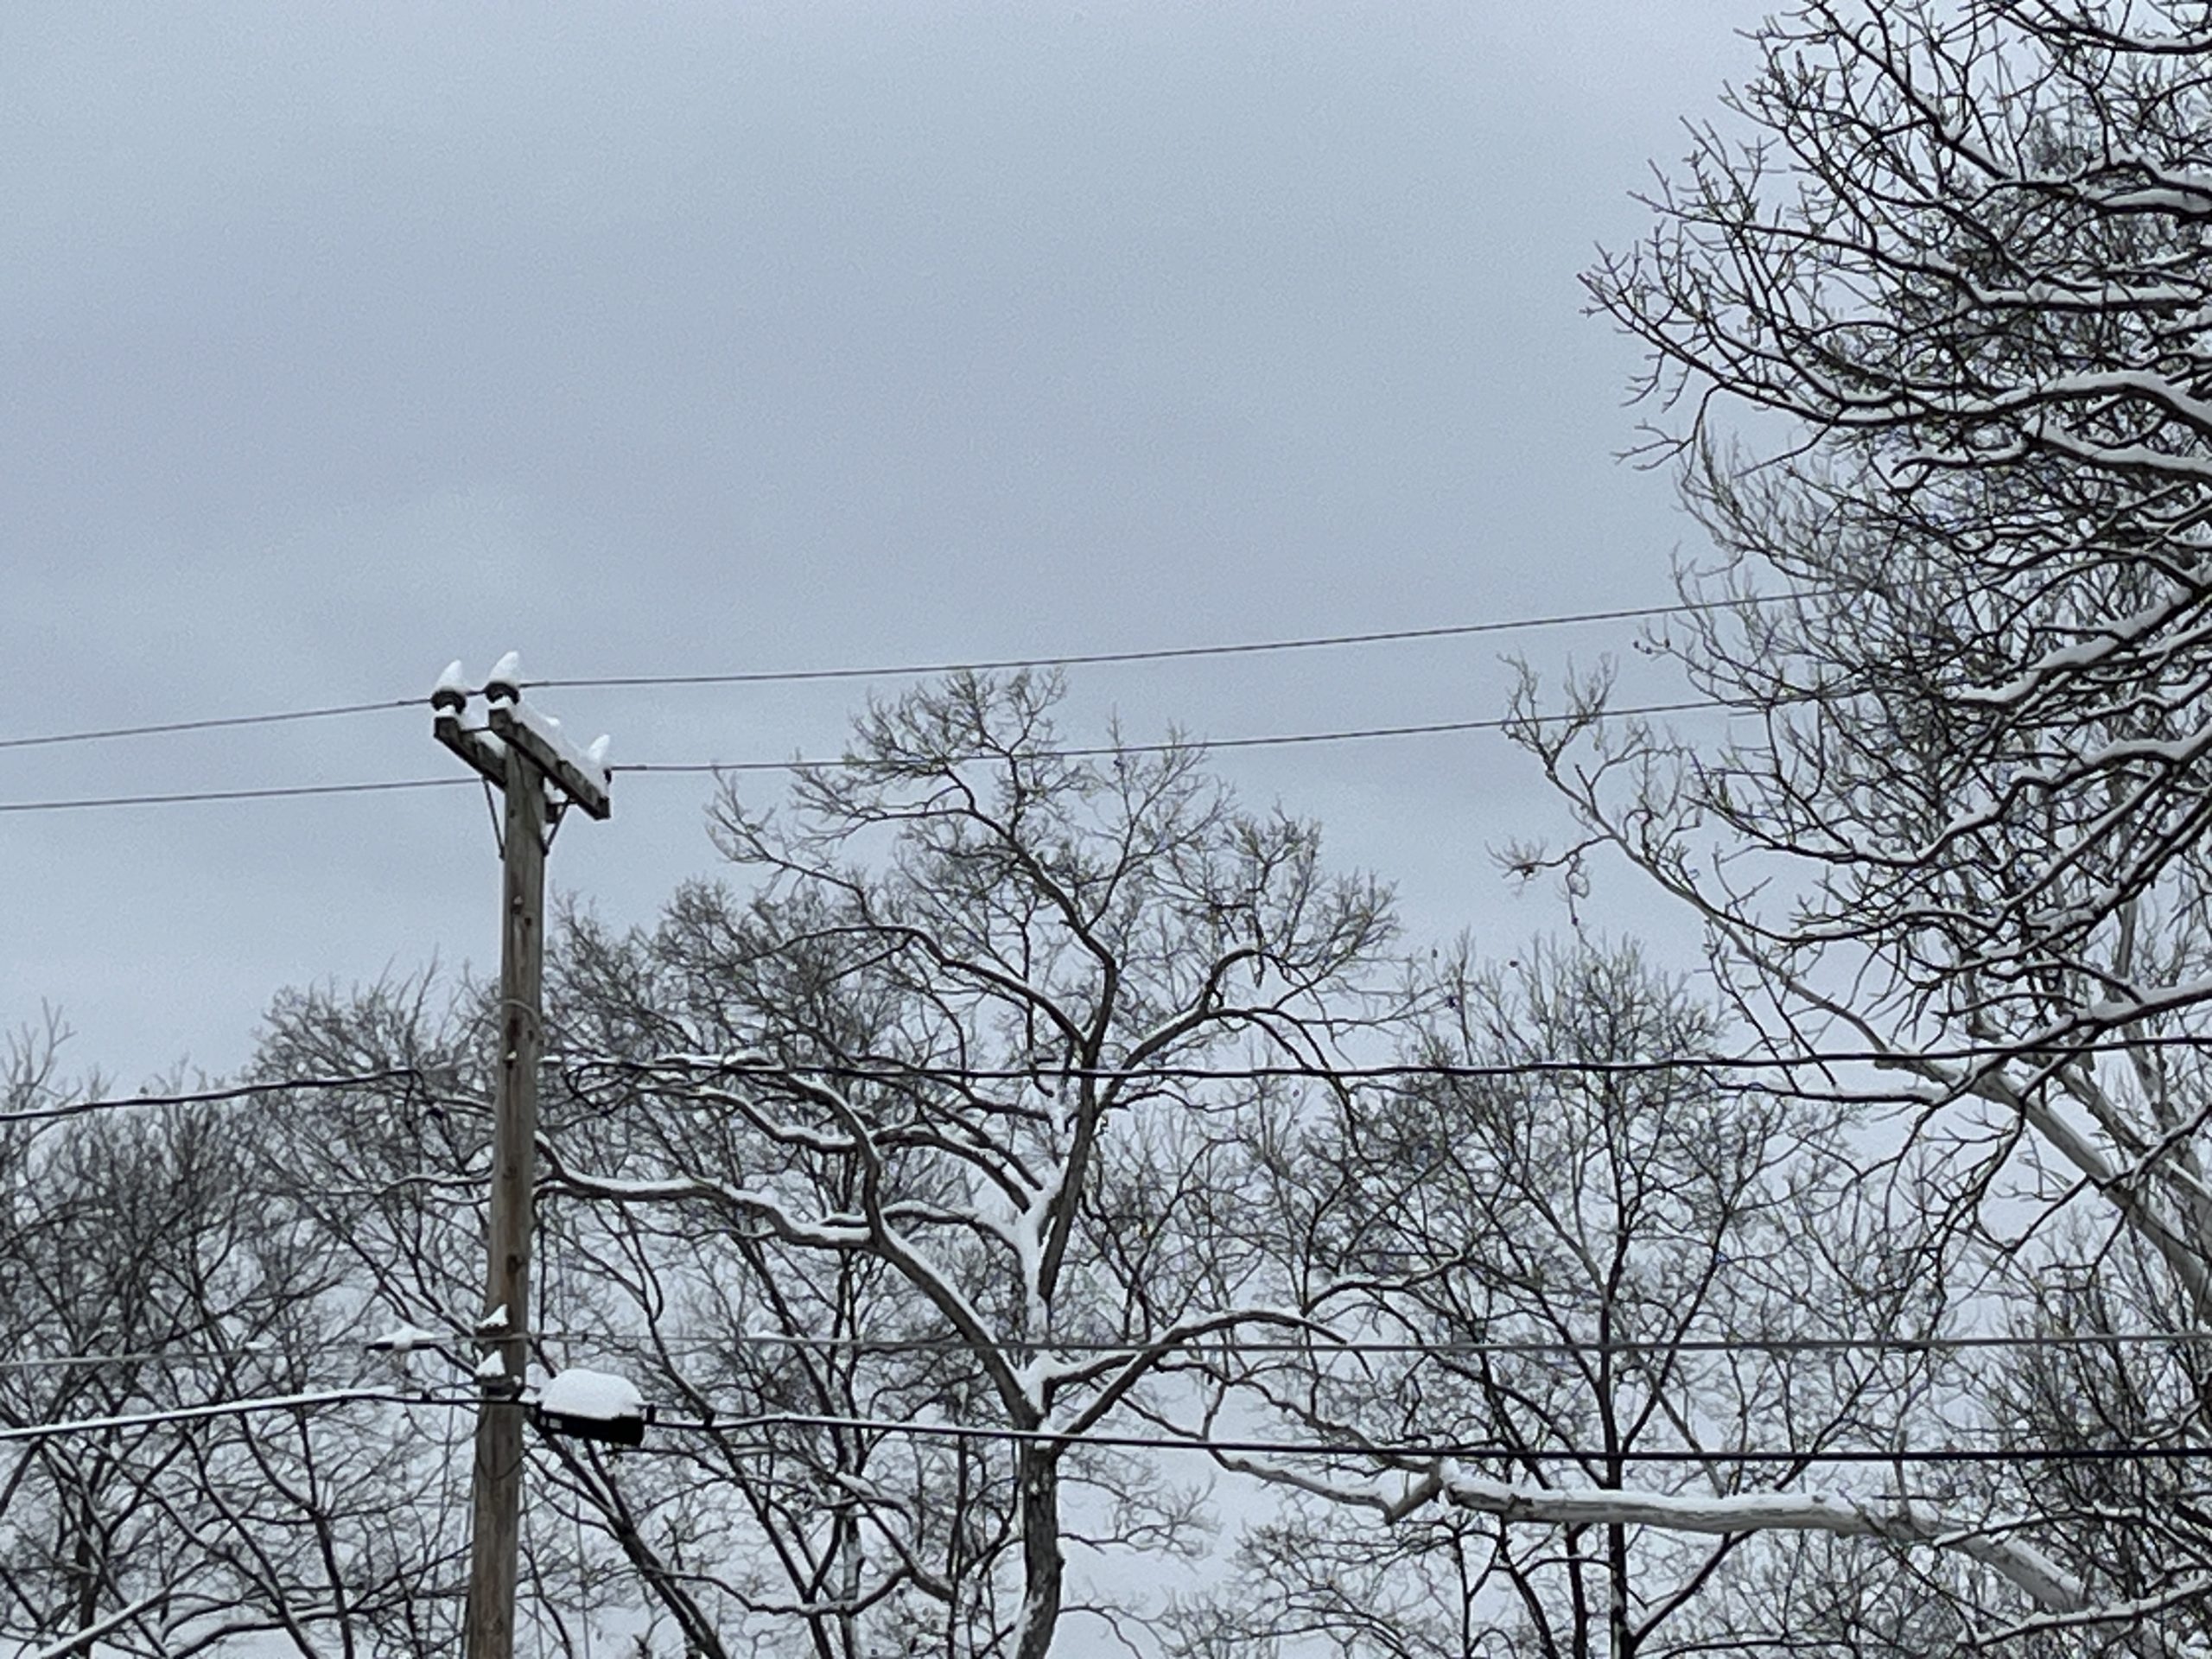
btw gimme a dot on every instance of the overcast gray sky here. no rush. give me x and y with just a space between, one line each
342 340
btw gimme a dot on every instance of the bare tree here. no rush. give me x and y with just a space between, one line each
190 1460
1600 1276
388 1175
1926 322
921 1086
878 1171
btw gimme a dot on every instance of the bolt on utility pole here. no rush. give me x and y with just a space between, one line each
522 752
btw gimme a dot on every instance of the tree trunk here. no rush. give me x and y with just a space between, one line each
1037 1475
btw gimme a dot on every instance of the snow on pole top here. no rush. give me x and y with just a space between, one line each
504 683
452 690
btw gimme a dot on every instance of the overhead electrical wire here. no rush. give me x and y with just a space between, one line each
1156 654
1103 751
190 797
799 675
1319 1346
1197 746
1429 1450
177 1356
1416 1450
2043 1047
312 1401
210 723
219 1094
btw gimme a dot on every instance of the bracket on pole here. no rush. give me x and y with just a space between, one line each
579 775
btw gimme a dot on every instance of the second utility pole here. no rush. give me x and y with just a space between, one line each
540 775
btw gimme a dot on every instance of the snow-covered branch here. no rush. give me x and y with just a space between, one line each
2029 1569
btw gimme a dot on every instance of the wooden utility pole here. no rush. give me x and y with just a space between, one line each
540 775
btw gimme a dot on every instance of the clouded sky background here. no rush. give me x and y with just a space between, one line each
339 342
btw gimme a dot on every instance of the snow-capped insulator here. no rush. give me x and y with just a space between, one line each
450 694
593 1405
504 683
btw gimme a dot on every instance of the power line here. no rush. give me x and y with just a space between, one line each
1194 746
225 1094
185 1354
1197 746
1428 1451
216 722
316 1400
140 1356
279 792
1166 653
1320 1347
2043 1044
791 677
1403 1451
2046 1045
